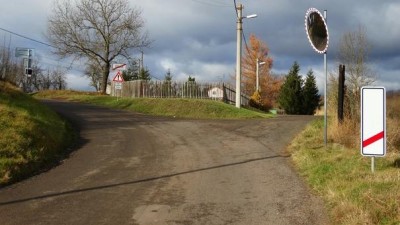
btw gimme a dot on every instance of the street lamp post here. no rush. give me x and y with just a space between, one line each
239 32
257 74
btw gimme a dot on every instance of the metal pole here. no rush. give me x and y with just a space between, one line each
28 76
373 164
257 75
142 62
325 97
238 55
140 68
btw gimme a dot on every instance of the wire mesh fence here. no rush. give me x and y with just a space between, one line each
167 89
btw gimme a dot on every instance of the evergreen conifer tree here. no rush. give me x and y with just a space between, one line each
291 96
167 84
132 73
144 74
168 76
310 94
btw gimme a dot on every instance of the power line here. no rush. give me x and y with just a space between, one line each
245 43
211 3
237 13
23 36
69 67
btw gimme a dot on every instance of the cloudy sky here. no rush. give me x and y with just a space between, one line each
198 37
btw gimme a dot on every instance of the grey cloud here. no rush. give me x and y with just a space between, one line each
200 36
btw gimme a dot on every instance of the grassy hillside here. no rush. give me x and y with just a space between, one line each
32 136
181 108
344 179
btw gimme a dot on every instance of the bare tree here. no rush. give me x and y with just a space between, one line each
58 79
93 72
98 30
353 52
37 76
354 49
45 80
11 69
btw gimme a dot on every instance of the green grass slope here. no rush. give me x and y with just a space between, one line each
181 108
32 138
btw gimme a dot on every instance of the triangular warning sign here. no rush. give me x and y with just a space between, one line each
118 77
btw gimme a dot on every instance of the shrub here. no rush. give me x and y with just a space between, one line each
257 102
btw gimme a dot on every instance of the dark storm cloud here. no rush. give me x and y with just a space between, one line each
199 36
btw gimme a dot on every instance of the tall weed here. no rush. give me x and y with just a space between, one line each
347 132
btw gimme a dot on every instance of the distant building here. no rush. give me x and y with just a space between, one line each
216 93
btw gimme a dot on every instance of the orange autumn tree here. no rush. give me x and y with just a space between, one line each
269 84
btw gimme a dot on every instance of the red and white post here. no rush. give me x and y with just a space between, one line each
373 123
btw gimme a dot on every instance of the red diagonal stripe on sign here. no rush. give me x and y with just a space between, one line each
373 139
120 66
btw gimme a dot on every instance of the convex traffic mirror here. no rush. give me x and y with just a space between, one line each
317 30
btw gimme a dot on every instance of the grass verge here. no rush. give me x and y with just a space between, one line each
32 138
343 178
181 108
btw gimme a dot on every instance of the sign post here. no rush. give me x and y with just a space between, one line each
26 54
373 123
118 80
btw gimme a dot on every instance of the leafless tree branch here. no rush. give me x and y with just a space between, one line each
98 30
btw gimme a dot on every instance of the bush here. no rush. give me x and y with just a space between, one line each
257 102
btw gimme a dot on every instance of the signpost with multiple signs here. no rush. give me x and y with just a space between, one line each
373 123
118 78
26 54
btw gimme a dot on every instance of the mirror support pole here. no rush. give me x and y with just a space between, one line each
325 95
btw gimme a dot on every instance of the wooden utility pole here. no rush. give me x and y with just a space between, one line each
341 92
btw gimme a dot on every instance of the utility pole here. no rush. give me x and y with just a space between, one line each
239 31
142 61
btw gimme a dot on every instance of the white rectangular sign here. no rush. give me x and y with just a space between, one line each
25 52
118 86
119 66
373 121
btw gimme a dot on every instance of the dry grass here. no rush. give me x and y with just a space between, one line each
343 178
393 123
347 133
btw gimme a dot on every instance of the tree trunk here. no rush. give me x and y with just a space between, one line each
106 72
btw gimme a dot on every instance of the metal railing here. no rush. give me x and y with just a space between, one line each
166 89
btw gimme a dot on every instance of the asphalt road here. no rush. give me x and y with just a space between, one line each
135 169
